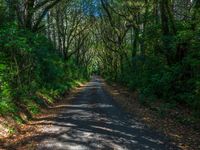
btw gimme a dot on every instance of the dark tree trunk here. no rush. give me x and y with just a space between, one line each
29 4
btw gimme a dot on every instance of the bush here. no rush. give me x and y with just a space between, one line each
29 64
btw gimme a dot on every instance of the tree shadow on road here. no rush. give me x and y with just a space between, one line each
92 123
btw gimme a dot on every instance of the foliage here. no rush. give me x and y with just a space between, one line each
148 46
159 54
29 64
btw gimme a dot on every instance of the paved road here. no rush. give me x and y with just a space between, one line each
95 122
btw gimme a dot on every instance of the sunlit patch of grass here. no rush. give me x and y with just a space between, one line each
6 106
11 130
74 84
18 119
33 107
43 95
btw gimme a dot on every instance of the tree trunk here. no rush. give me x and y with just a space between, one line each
28 13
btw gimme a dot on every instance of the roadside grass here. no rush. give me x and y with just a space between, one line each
33 105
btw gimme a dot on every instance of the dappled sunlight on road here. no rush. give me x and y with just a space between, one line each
93 122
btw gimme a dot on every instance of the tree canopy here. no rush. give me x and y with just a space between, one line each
150 46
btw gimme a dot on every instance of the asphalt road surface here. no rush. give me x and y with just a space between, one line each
95 122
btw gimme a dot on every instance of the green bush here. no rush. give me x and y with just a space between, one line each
29 64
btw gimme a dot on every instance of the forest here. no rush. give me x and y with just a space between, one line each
149 46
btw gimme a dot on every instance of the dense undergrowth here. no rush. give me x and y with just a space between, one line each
31 70
174 84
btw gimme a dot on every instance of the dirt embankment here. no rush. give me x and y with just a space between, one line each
22 136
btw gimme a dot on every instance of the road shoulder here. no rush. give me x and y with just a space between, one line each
30 132
183 136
